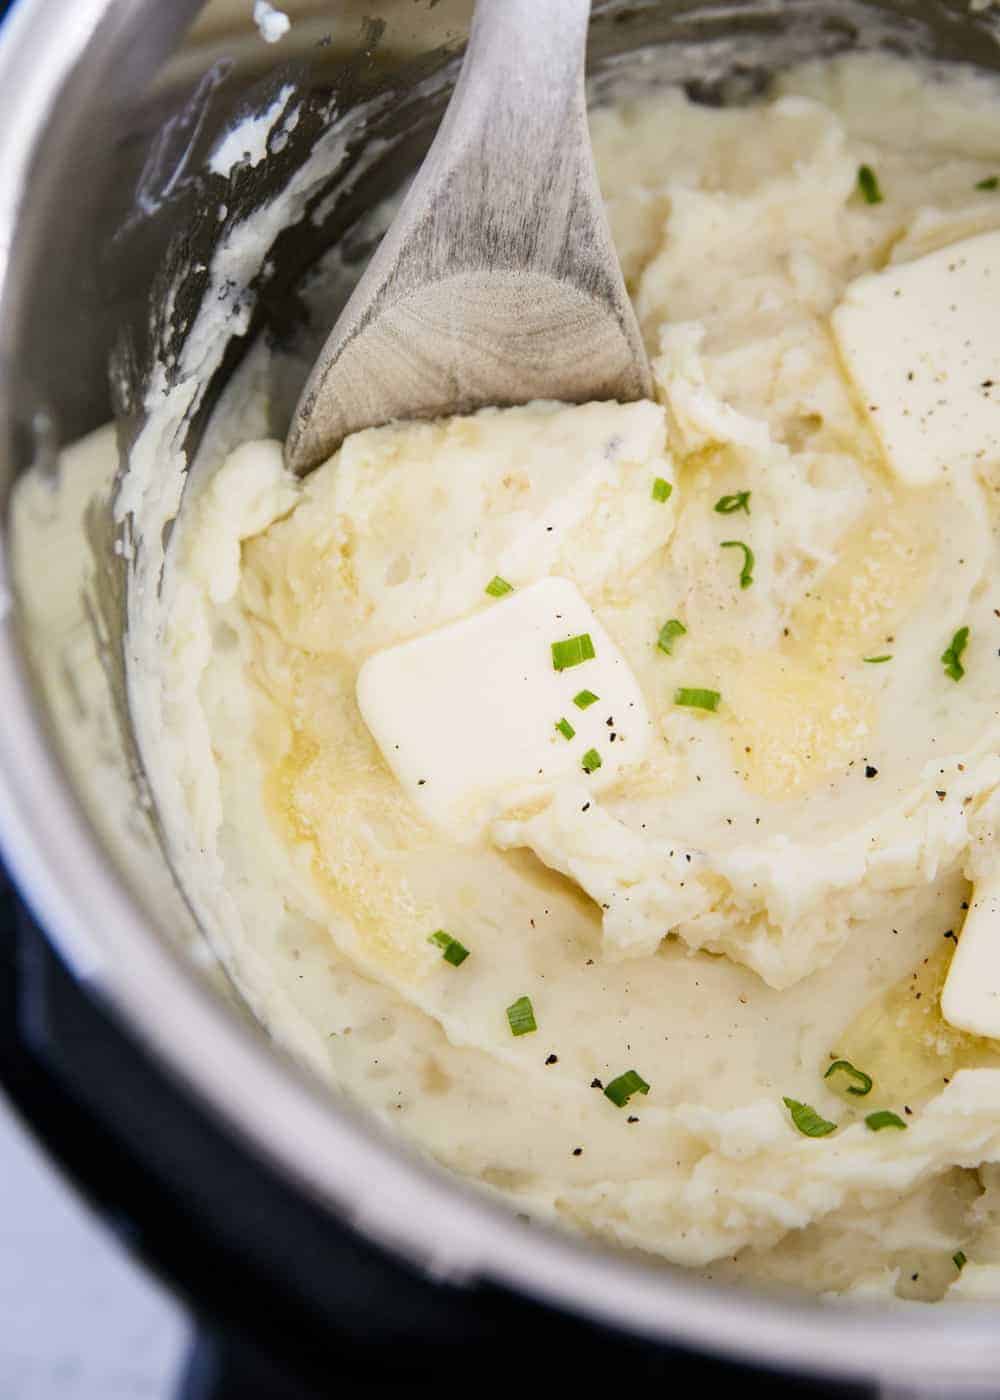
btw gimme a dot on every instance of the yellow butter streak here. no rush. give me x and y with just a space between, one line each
793 724
797 717
904 1043
880 576
325 797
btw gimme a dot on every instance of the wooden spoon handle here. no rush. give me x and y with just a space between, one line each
498 281
513 151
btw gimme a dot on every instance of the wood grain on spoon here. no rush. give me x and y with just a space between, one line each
498 282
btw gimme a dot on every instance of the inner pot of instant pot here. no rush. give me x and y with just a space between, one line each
230 206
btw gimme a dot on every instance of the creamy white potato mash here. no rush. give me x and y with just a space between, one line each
676 766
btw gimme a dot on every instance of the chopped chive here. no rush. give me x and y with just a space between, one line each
952 654
807 1120
863 1082
584 699
746 573
521 1017
565 728
572 652
591 761
668 632
884 1118
959 1260
696 699
620 1090
991 182
498 586
728 505
877 660
451 950
869 186
662 489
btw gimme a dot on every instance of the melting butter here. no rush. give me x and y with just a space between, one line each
904 1043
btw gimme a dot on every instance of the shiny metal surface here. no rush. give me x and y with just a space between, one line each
65 68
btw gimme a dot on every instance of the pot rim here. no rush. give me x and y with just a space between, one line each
275 1106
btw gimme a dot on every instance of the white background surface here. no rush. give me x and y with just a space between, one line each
78 1319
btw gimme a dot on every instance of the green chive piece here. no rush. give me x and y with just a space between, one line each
746 573
572 652
451 950
521 1017
620 1090
565 728
991 182
876 660
591 761
695 699
662 489
959 1260
728 505
952 654
668 632
869 186
498 586
585 699
807 1120
863 1082
884 1118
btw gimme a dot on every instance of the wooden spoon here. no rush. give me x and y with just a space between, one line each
498 281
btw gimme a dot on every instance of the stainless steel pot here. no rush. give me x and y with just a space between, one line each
103 128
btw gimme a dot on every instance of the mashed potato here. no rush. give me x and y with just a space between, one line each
776 881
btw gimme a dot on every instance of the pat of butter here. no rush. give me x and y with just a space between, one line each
970 998
466 716
921 341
